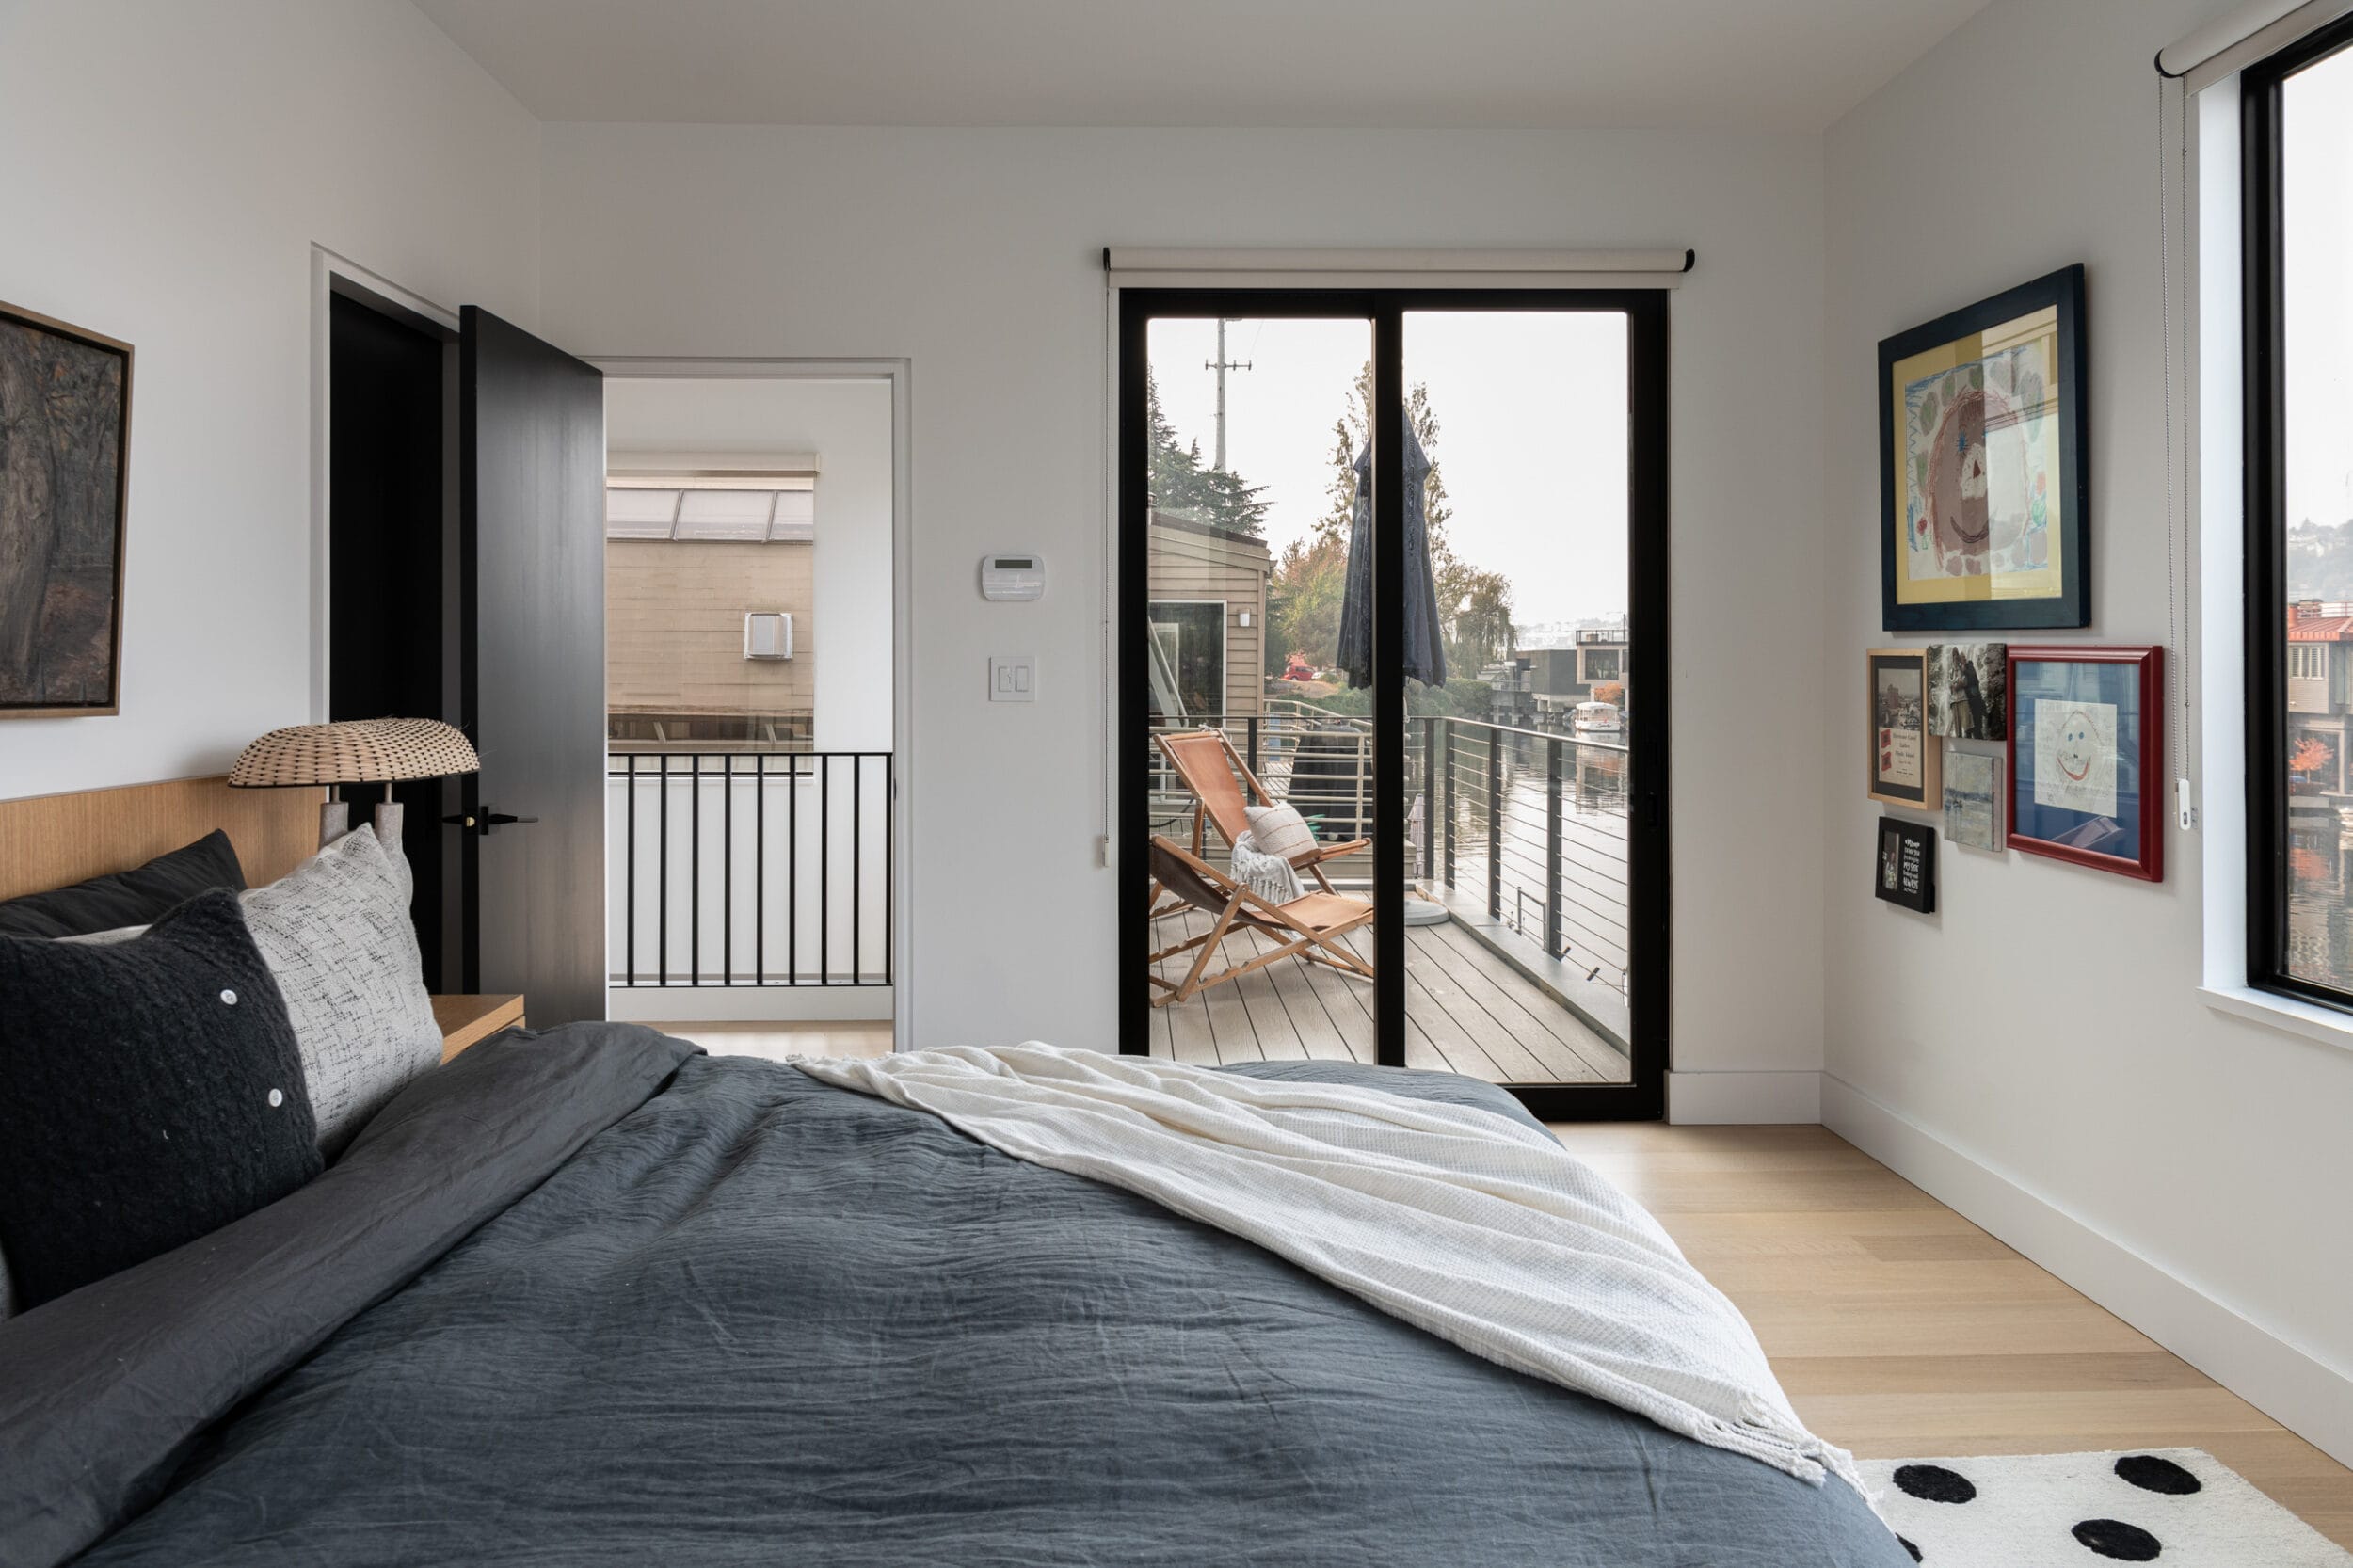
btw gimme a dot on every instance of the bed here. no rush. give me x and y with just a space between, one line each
751 1318
590 1296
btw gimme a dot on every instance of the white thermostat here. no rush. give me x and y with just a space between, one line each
1013 577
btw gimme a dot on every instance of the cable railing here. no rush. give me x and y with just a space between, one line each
1528 826
749 869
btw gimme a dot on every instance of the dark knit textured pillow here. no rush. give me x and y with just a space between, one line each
126 898
153 1094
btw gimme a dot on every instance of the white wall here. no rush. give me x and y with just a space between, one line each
168 169
847 423
975 254
2037 1053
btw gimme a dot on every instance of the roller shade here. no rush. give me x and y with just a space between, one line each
1148 267
2233 43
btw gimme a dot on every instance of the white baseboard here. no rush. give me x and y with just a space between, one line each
2292 1386
747 1003
1700 1098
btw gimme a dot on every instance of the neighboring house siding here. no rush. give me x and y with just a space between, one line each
1188 565
674 627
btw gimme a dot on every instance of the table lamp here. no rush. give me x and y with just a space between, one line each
355 751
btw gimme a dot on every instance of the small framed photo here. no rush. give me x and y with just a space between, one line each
1983 491
1907 865
2087 742
1974 801
1904 756
1969 691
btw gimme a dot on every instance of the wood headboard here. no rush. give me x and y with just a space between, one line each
49 841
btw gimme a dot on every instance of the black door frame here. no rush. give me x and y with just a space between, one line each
1649 888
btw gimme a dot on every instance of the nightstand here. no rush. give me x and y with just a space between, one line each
470 1020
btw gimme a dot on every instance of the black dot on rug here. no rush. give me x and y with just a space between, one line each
2151 1474
2116 1539
1908 1547
1933 1483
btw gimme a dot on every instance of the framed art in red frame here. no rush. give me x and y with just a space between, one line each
2086 747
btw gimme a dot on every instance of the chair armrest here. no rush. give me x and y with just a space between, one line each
1329 852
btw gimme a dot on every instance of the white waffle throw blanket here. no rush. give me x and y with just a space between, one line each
1467 1225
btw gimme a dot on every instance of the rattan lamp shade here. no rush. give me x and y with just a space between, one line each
355 751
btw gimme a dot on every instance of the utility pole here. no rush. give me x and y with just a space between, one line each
1222 364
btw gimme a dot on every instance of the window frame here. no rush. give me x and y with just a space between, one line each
2267 667
1224 641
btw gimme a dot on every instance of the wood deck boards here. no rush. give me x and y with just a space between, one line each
1467 1011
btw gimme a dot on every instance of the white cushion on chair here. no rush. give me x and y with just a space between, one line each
1282 831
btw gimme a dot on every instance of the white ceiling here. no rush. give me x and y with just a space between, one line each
1778 64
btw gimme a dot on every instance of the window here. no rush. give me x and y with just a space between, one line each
2298 191
1189 643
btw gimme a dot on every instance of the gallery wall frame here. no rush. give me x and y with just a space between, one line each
65 486
2087 739
1905 759
1983 477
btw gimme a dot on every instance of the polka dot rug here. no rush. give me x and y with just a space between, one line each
2179 1506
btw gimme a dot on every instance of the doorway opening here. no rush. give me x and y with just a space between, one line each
752 740
1393 675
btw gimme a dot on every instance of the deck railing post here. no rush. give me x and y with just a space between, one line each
1552 847
1495 822
1446 747
1429 797
695 875
662 880
1256 765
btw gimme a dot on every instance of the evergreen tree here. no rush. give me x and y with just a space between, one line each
1182 483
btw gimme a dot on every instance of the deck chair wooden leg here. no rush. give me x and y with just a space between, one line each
1209 947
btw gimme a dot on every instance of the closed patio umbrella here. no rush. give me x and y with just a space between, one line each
1425 648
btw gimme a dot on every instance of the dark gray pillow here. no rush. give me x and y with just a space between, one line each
153 1094
126 898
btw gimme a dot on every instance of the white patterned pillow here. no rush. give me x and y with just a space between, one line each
1281 830
336 934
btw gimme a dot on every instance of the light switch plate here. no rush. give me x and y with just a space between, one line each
1012 677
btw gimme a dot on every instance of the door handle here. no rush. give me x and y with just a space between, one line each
484 821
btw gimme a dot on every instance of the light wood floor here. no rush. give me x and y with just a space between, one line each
1900 1330
1466 1011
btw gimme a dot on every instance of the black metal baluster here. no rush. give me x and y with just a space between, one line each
793 873
1495 822
628 877
857 855
727 873
759 868
1552 847
695 875
890 822
661 887
824 868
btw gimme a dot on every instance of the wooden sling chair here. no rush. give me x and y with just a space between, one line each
1309 926
1215 773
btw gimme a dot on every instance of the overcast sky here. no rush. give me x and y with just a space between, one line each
2318 150
1531 434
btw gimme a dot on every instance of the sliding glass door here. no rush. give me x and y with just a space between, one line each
1392 565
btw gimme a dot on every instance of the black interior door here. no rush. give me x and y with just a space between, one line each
389 640
530 487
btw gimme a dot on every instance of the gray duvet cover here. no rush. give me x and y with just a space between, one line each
707 1310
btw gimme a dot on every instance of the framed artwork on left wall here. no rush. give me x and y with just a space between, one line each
65 451
1904 755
